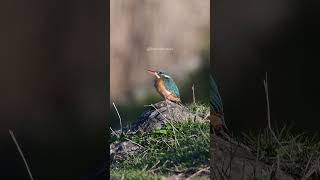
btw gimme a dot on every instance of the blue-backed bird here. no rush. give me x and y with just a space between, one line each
216 107
166 86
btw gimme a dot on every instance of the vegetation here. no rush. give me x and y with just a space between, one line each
182 150
175 150
295 154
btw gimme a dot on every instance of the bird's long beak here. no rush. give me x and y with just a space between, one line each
154 73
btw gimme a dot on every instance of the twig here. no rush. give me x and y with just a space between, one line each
194 97
134 142
20 151
154 165
151 105
308 163
278 164
163 165
198 172
206 116
314 168
265 83
114 132
115 107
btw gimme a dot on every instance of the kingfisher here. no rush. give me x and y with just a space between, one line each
217 116
166 86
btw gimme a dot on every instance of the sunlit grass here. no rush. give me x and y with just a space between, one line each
176 148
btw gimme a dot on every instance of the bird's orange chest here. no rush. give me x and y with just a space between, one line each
159 85
161 88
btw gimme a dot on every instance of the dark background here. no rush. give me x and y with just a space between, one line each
54 88
279 37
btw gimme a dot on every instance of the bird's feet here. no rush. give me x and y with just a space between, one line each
221 132
225 135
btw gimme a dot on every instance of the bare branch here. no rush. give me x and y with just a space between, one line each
193 95
198 172
265 83
20 151
115 107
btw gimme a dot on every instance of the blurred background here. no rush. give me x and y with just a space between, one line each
53 88
169 35
278 37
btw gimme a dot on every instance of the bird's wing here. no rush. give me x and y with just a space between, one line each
172 87
215 99
216 105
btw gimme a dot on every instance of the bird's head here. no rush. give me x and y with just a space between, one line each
159 74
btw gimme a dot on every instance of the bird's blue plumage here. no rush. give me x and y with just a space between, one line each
171 86
215 99
216 108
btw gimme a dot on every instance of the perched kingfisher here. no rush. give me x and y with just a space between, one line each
217 115
166 86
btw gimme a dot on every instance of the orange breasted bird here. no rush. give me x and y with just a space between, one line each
216 107
166 86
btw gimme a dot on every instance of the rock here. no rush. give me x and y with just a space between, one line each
159 114
156 116
119 150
